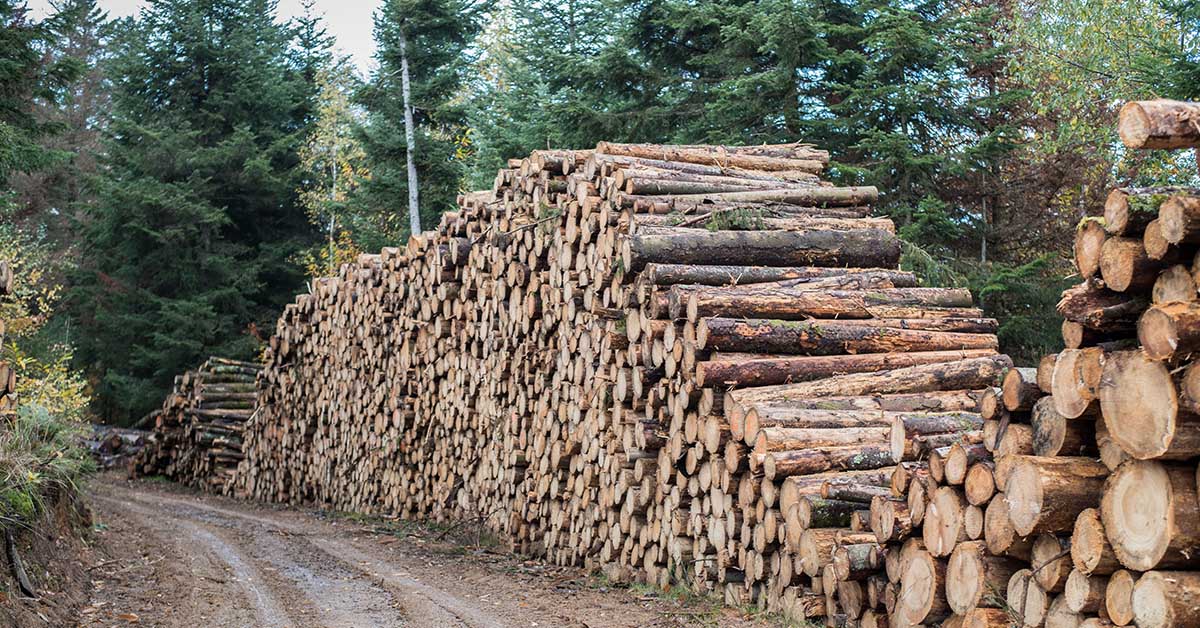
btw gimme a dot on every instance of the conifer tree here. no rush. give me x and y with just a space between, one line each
193 234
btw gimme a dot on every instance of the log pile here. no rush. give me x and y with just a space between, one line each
674 363
115 447
198 433
8 377
1088 500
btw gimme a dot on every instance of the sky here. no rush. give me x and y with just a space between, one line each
347 20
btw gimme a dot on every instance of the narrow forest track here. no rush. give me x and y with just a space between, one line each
174 558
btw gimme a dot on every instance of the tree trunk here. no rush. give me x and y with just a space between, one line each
965 375
410 142
1164 599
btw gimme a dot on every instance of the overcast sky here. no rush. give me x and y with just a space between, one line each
347 20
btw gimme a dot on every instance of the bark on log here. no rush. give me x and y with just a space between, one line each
965 375
976 578
798 301
864 248
1091 552
1161 123
1096 307
1126 267
818 338
1170 329
741 370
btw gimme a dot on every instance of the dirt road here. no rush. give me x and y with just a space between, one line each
172 558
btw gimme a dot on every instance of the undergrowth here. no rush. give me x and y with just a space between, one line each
40 452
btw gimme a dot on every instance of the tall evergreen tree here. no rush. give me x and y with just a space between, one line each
197 219
50 198
434 37
26 79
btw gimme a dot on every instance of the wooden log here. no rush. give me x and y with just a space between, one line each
1173 284
1161 123
797 303
1170 329
1084 593
1180 219
974 577
810 197
922 591
1155 243
943 527
1059 615
1045 374
1140 404
723 157
1129 210
1094 306
980 485
1020 389
1054 434
740 370
864 248
1162 599
668 274
1091 552
782 464
811 337
1089 239
1047 494
1125 265
1118 597
1050 560
1149 514
1077 374
965 375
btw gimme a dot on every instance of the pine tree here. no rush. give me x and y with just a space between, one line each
27 79
435 36
51 197
197 221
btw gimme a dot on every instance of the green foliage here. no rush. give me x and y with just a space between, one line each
194 232
439 34
39 451
1022 297
38 344
25 79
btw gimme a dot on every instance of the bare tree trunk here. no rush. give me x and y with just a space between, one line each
414 212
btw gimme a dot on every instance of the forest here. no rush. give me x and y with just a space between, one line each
171 179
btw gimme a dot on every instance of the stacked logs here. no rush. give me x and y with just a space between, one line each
676 363
197 437
8 377
1093 518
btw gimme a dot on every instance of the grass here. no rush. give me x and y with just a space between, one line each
39 453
